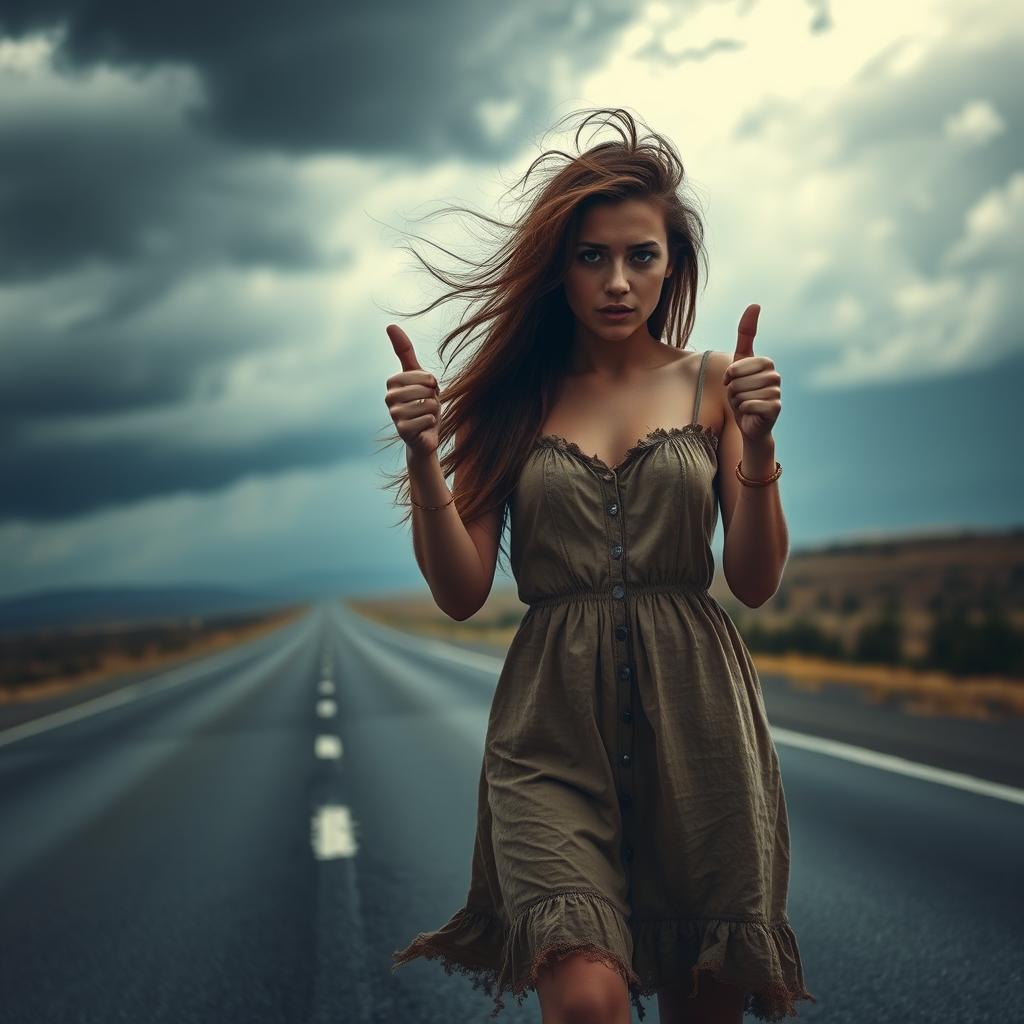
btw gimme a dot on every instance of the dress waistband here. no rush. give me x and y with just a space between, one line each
606 594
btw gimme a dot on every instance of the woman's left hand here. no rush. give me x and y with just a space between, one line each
753 385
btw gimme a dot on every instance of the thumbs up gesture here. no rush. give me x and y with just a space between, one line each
412 397
753 385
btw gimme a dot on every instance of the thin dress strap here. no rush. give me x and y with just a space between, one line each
700 384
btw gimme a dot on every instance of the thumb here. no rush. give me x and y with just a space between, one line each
746 332
403 347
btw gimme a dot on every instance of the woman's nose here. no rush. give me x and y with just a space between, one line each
617 282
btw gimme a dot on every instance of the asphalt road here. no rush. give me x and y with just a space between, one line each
247 837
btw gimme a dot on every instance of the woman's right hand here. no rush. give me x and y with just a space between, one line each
416 421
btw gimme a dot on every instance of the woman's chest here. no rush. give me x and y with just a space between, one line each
666 481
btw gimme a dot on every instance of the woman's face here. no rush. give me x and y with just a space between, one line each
620 257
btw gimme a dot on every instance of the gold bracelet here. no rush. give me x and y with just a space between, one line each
432 508
758 483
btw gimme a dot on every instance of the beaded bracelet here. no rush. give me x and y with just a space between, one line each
758 483
431 508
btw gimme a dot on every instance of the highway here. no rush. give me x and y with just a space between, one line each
248 836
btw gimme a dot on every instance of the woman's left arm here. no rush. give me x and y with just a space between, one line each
756 536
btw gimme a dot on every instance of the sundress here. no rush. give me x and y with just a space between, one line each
630 802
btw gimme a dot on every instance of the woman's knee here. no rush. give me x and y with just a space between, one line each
575 990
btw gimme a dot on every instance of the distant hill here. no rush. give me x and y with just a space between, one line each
952 601
85 606
124 604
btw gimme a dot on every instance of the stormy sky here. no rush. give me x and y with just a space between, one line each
198 249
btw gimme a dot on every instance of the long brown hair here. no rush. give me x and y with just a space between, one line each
499 397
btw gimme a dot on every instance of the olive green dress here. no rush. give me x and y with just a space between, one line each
631 806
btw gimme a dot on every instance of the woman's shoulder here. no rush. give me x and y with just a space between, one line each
717 362
713 403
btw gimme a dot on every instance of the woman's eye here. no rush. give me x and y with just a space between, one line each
593 252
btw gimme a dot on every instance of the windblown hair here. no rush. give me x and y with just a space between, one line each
498 399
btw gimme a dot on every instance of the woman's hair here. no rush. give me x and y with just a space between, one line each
499 397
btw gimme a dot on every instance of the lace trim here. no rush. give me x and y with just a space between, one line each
486 978
648 440
771 1001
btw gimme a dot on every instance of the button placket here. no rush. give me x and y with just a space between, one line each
624 668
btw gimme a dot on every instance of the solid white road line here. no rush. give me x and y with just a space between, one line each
898 765
174 676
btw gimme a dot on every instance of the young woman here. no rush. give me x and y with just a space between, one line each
632 827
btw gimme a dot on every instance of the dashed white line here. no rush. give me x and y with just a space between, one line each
326 708
328 748
332 834
326 686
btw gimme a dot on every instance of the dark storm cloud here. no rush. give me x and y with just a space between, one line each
386 78
80 185
123 192
56 479
101 369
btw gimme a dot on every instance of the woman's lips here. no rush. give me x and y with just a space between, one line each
616 314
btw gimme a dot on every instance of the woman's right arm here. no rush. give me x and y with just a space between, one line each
457 560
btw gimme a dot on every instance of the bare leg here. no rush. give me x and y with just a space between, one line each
715 1003
575 990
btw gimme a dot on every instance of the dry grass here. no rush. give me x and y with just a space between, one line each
919 692
839 589
114 662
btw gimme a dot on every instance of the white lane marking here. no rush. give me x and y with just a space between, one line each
124 695
807 741
134 691
332 835
326 708
328 748
898 765
326 686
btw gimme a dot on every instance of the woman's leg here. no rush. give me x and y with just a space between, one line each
715 1003
575 990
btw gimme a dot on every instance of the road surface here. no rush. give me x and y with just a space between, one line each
248 836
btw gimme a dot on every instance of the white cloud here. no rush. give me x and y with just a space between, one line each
496 116
993 229
975 123
827 234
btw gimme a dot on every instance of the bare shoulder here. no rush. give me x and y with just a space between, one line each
716 366
714 407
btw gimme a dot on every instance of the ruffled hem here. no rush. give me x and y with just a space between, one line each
761 958
500 959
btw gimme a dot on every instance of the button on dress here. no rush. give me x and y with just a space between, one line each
630 802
